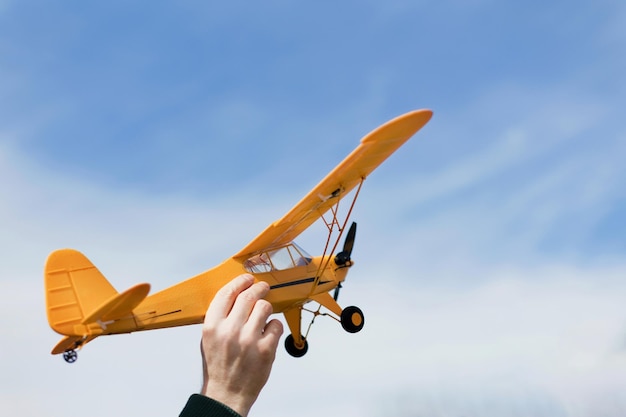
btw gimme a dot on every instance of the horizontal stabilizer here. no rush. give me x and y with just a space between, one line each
120 305
71 342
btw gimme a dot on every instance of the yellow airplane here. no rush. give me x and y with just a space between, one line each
82 305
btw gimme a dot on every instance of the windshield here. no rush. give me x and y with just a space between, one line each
290 256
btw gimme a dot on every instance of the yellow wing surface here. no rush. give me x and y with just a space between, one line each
374 148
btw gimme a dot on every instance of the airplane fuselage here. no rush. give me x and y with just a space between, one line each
186 303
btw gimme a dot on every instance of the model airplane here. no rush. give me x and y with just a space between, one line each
82 305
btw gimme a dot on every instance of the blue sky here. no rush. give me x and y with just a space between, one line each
160 139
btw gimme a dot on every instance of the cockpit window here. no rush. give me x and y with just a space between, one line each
290 256
258 264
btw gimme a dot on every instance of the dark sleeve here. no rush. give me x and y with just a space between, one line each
201 406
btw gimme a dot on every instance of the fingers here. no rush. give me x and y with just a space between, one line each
272 333
240 305
268 343
224 299
258 317
247 301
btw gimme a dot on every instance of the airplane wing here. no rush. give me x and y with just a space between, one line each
374 148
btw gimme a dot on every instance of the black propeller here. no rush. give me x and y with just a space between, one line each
343 257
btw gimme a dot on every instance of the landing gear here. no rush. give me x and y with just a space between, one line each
70 356
294 350
352 319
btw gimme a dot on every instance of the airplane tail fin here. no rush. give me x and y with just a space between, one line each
77 294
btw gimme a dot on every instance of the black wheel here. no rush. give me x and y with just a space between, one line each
293 350
352 319
70 356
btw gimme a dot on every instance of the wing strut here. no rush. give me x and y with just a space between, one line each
374 149
331 225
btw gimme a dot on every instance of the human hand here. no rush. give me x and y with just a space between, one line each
238 344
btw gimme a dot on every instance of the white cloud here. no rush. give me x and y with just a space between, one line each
515 337
465 310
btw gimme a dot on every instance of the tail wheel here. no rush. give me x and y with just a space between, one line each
70 356
294 350
352 319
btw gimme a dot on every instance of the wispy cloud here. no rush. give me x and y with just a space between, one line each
550 330
483 264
